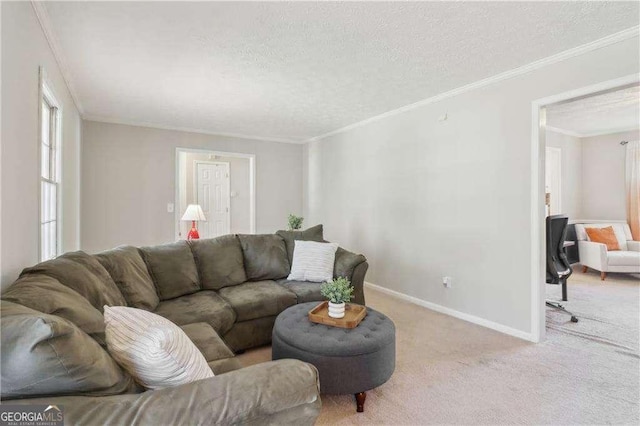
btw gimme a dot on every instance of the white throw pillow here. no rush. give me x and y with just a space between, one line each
155 351
313 261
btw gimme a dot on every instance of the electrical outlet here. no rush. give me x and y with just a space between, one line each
169 207
447 282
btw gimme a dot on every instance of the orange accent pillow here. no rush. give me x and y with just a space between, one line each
605 236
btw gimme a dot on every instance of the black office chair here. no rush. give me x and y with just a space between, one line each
558 267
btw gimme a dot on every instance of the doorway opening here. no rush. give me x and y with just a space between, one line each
222 184
564 128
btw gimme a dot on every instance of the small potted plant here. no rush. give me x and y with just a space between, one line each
338 291
295 222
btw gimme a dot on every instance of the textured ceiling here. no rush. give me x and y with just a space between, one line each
597 115
293 71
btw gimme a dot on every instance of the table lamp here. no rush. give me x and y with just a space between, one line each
193 213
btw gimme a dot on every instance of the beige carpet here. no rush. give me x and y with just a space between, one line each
449 371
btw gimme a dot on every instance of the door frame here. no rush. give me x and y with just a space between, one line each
252 183
559 150
537 226
195 183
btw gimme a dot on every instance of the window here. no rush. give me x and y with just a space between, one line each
49 174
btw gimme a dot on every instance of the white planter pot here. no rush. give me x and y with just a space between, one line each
336 310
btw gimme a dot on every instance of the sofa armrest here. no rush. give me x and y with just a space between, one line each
353 267
276 392
633 245
593 255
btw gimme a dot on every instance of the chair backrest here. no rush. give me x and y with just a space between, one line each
558 267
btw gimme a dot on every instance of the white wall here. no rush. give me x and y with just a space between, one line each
603 187
571 172
24 50
424 198
128 177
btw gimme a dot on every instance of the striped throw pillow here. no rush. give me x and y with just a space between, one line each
155 351
313 261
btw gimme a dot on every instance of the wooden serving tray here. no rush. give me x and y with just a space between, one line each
353 314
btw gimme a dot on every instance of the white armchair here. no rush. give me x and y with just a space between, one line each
596 256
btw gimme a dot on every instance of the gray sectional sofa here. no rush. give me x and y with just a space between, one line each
225 293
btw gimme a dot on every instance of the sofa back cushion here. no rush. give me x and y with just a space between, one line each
128 270
314 233
172 268
346 262
265 257
47 295
84 274
219 260
45 355
621 231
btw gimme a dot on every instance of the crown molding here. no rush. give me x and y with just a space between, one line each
563 131
110 120
567 54
592 134
611 131
45 24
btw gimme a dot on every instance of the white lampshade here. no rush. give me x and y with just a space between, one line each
194 212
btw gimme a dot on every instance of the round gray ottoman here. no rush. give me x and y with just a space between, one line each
349 361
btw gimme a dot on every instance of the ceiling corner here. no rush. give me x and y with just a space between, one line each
45 23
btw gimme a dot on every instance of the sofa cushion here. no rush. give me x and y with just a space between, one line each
203 306
621 230
221 366
623 258
265 257
220 261
313 261
314 233
258 299
604 236
155 351
47 295
207 341
84 274
45 355
305 291
346 262
172 269
128 270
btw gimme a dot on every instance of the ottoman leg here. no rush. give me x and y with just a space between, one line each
360 398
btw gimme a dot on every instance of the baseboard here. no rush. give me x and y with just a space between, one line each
452 312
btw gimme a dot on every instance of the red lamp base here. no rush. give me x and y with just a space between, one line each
193 233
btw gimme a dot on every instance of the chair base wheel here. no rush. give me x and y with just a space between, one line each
558 306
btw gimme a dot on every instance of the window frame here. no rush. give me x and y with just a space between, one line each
48 96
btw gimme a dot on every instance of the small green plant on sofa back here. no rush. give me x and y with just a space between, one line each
295 222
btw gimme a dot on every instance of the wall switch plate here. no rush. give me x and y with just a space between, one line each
169 207
446 281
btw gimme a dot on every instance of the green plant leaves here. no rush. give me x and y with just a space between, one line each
338 290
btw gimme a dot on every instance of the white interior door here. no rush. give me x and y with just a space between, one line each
212 182
553 178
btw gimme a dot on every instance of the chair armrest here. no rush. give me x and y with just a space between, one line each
593 255
276 392
353 267
633 245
